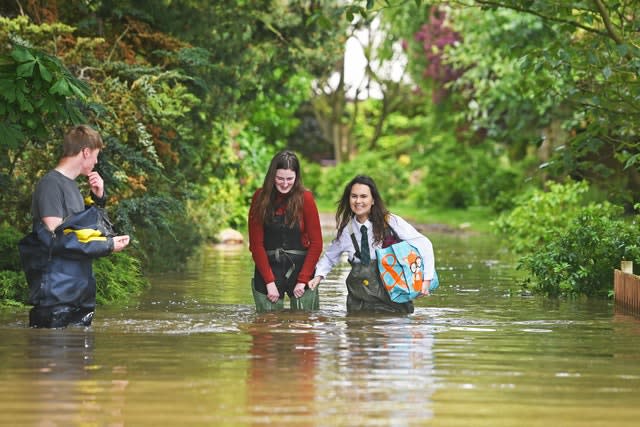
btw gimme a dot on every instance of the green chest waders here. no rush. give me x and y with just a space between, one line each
286 257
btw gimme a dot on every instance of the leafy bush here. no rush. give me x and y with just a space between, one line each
13 287
218 206
540 216
9 256
311 174
118 276
391 174
569 246
163 235
457 176
499 189
447 178
581 259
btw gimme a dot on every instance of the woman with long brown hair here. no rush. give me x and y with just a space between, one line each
363 225
285 237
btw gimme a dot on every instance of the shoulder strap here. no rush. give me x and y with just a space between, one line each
389 236
355 242
393 232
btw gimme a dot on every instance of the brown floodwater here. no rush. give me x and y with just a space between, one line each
193 351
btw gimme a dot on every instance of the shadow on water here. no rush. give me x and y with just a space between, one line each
193 351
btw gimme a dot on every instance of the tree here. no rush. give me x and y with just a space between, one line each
179 101
338 102
37 94
548 69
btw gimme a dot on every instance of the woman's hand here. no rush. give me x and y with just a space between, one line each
425 288
272 292
298 291
314 282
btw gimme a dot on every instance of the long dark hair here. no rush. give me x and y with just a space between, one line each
378 214
264 207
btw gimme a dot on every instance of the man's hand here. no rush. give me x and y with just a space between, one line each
120 242
96 184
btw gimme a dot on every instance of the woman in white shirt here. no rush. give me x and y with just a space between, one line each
361 213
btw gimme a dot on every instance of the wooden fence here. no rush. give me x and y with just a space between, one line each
626 287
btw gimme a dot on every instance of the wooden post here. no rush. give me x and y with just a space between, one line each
626 266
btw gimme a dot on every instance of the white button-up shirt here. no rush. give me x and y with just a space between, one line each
403 229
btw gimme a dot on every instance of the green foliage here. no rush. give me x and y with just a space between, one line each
580 259
13 288
557 81
252 50
36 87
567 244
389 173
273 115
541 215
164 236
37 95
9 255
500 186
450 176
532 65
511 105
312 174
118 277
217 206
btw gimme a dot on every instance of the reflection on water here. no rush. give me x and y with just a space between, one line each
355 371
62 355
192 351
48 379
283 352
385 369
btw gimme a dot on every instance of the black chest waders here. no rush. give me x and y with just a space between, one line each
366 292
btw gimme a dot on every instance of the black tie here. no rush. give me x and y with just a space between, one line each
365 257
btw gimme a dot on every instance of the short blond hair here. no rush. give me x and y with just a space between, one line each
79 138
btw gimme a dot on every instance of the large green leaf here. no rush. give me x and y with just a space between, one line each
21 54
10 135
44 72
25 69
60 87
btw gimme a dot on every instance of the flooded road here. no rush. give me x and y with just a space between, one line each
193 351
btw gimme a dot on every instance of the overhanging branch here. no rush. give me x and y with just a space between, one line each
607 22
540 15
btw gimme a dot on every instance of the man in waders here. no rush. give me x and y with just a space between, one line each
66 236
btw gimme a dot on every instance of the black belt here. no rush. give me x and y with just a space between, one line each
279 253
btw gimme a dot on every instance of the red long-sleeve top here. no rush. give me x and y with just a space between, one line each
311 235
